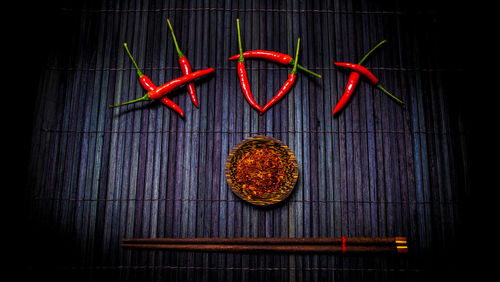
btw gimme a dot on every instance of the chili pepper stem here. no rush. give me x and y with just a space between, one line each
308 71
139 73
241 59
379 86
373 49
294 70
179 53
143 98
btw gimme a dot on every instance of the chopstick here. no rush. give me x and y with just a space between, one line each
274 245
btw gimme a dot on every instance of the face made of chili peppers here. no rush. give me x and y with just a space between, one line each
185 67
286 86
148 85
242 74
272 56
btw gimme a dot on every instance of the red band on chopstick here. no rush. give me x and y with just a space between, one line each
343 244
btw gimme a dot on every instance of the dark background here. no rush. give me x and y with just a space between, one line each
459 29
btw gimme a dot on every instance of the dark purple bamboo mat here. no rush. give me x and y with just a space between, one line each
98 175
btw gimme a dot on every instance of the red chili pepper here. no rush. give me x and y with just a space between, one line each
359 68
185 67
351 85
242 74
174 83
353 81
364 71
148 85
264 54
169 103
368 74
273 56
286 86
160 91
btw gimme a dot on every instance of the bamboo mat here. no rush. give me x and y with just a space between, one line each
98 175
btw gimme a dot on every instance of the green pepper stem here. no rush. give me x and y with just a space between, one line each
373 49
139 73
294 70
379 86
306 70
241 59
179 53
143 98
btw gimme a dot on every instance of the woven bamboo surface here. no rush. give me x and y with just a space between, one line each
99 175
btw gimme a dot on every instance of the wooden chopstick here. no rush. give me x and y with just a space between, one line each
273 245
271 241
319 249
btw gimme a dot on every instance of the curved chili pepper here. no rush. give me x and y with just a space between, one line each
273 56
352 82
148 85
368 74
162 90
286 86
242 74
185 67
359 68
351 85
264 54
169 103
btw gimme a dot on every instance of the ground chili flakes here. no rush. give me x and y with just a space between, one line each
260 172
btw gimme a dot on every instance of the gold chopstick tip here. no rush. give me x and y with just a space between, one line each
400 241
402 249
